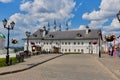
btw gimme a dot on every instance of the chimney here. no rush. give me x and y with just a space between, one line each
87 29
44 31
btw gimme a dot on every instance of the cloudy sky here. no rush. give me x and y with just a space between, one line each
30 15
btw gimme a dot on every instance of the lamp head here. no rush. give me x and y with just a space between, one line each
12 24
118 16
27 33
4 22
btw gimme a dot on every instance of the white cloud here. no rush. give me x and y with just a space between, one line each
97 23
107 11
82 27
49 9
114 27
37 12
5 1
41 11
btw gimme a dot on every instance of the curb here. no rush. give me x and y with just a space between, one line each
20 70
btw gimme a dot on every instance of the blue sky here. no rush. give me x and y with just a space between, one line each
30 15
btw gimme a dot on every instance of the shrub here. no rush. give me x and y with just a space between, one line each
3 61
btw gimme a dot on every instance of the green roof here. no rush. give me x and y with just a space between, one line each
2 36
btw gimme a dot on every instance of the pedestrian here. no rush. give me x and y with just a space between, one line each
111 51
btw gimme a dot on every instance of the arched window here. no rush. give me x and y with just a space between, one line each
82 43
69 50
65 50
74 50
74 43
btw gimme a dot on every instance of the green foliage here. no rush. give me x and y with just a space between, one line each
3 61
72 53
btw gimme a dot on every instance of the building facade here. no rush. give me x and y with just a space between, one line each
2 41
77 41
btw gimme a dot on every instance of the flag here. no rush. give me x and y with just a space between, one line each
32 43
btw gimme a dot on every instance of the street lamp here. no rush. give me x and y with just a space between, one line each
99 34
28 35
9 27
118 16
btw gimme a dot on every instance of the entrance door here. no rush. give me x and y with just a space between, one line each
56 49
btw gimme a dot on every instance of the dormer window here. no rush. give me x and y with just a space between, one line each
34 35
51 36
79 35
89 30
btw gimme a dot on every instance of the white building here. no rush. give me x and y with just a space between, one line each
2 41
78 41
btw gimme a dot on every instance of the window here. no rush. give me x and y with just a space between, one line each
69 50
65 50
78 50
74 50
78 43
34 35
82 51
82 43
69 43
65 43
79 35
36 42
74 43
56 42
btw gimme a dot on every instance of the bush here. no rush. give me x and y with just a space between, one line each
72 53
3 61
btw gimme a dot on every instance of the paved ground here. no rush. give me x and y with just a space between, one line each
111 63
29 63
67 67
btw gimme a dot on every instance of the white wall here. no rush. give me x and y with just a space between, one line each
65 46
2 43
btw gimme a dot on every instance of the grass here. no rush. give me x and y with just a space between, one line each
72 53
3 61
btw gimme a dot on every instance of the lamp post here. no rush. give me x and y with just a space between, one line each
8 27
118 16
28 35
99 44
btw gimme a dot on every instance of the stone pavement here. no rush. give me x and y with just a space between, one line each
29 63
111 63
